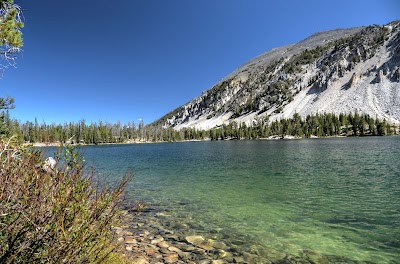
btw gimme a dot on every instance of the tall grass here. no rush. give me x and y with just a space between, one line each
53 215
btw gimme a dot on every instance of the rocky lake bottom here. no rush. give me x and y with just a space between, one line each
156 237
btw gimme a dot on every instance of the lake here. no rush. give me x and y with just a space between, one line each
326 197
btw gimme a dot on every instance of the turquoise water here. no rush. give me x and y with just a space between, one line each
335 197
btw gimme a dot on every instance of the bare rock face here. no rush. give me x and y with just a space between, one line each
311 76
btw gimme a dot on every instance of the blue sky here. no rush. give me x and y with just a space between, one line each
126 60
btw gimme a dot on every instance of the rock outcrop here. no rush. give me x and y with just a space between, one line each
338 71
354 79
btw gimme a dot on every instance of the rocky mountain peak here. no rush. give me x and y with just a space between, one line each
337 71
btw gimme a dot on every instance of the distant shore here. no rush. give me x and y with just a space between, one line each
57 144
273 137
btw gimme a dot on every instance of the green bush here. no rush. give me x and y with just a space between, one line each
53 215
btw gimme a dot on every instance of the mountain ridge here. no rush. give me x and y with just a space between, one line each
335 71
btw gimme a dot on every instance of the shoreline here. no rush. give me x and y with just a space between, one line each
55 144
273 137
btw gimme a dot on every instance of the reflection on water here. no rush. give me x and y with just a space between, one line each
327 197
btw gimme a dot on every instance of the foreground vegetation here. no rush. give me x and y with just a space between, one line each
320 125
53 212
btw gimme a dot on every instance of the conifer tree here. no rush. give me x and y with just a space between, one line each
10 44
10 33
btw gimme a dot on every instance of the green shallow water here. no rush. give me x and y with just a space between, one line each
337 197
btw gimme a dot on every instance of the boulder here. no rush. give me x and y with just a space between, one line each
49 164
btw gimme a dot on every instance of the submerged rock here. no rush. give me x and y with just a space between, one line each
174 249
218 261
206 247
163 244
185 247
129 248
171 258
141 260
195 240
223 254
238 260
218 245
150 251
130 240
157 240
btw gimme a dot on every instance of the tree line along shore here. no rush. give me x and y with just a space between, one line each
318 125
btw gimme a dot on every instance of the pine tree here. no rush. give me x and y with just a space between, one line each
10 44
10 32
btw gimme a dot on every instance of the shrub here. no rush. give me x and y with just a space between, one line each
53 215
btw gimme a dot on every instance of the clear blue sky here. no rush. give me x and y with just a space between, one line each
125 60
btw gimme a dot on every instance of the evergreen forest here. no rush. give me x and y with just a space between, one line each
319 125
